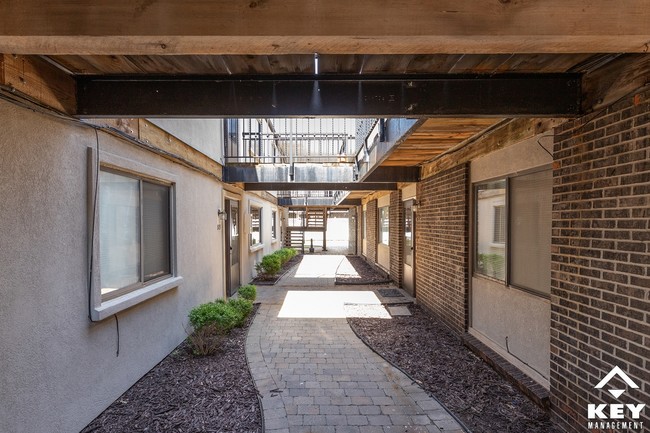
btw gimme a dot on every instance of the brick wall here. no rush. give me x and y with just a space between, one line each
396 236
371 231
600 287
441 251
353 217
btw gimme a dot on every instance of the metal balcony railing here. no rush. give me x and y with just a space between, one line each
289 141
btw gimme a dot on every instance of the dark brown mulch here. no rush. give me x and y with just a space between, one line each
430 353
366 274
269 281
185 393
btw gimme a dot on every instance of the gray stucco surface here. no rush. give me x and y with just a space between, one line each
514 323
59 370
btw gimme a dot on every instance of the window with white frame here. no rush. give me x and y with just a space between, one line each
256 225
134 232
274 225
363 224
384 225
513 230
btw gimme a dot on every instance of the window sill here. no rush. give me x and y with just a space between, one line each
108 308
535 293
489 278
256 247
275 241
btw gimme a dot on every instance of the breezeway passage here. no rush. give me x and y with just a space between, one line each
315 375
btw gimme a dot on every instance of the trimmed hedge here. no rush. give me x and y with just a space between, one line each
248 291
243 308
214 319
272 263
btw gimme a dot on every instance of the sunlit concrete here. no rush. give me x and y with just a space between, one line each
330 304
320 266
346 270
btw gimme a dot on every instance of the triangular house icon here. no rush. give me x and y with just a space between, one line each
616 371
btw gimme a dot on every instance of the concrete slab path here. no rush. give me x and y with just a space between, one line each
316 376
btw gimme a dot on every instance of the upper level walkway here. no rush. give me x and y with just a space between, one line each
315 375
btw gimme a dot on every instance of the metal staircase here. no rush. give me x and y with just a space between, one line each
316 218
295 238
303 220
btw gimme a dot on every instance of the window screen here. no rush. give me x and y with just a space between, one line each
155 230
530 230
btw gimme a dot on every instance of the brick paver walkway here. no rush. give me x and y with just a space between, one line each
316 376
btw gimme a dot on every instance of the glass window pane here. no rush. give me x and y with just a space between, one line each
155 230
491 217
408 233
119 231
274 218
383 225
530 230
256 226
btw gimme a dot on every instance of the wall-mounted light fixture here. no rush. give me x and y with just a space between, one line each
415 205
223 216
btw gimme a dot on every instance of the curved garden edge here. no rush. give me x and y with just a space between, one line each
436 359
406 373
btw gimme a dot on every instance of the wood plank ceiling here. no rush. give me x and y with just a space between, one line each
435 136
334 63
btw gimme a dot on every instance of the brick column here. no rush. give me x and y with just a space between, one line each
396 237
441 236
600 287
371 231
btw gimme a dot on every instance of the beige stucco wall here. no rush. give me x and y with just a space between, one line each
205 135
253 255
59 370
514 323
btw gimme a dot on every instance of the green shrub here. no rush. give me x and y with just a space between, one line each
243 307
269 266
286 254
248 291
223 316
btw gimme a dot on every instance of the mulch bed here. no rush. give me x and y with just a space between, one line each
185 393
430 353
366 274
285 268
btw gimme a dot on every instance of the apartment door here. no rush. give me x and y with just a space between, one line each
409 248
232 247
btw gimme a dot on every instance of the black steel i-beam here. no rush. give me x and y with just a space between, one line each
320 186
500 95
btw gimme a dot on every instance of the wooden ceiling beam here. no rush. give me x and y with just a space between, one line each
324 26
38 80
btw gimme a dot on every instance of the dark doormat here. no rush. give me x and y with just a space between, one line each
390 293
